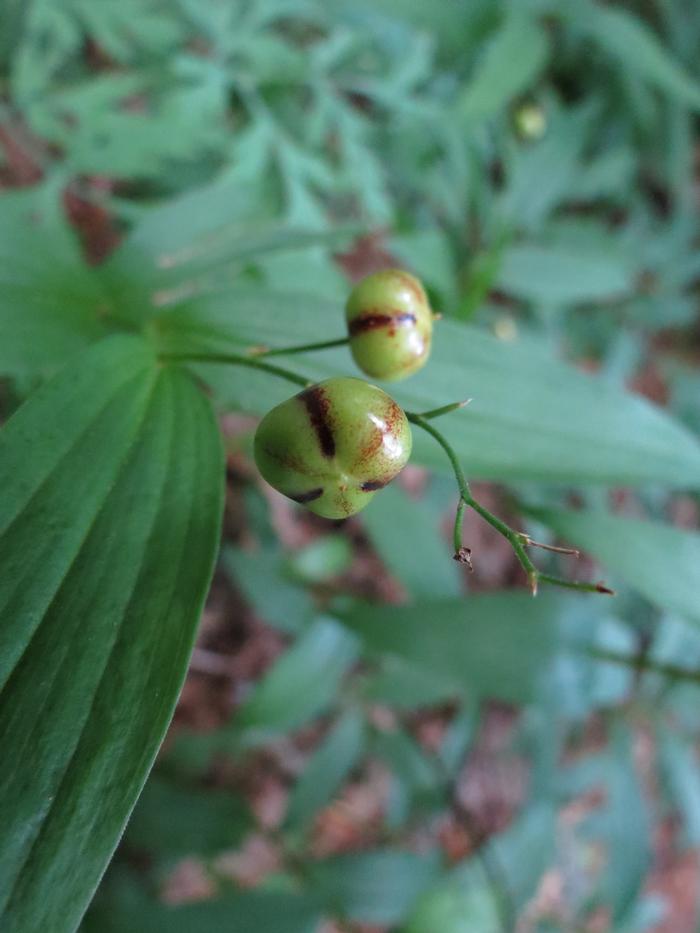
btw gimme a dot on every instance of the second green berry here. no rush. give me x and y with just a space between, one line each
390 325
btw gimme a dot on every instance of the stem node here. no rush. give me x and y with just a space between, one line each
463 555
533 579
518 540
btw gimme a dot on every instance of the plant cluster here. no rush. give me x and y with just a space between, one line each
185 186
336 443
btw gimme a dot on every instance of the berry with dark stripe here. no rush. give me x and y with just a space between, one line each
333 446
390 324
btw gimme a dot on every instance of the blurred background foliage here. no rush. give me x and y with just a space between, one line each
369 739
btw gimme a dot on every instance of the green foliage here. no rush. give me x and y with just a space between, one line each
497 646
126 909
534 163
524 422
376 887
406 535
286 698
327 770
109 521
661 561
208 820
50 302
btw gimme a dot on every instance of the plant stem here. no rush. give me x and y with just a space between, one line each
236 359
640 663
457 533
516 539
528 542
258 352
444 410
583 587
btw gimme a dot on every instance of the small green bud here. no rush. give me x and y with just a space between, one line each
530 122
332 446
390 325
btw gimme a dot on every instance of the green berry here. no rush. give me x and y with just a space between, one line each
530 122
390 324
332 446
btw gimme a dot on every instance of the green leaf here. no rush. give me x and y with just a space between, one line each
467 899
542 175
533 832
559 275
660 561
50 301
624 826
375 887
113 25
513 60
123 907
186 244
641 52
533 417
302 683
329 766
283 604
321 561
461 905
406 686
173 821
406 534
418 773
49 37
680 769
497 645
111 477
14 14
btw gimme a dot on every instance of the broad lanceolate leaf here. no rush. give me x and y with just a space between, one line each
300 685
189 243
464 900
565 274
172 821
50 301
375 887
111 480
494 646
328 767
261 579
533 417
640 51
121 906
623 826
408 539
514 58
660 561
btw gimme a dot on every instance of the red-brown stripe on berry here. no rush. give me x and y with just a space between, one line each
304 497
318 408
372 484
371 321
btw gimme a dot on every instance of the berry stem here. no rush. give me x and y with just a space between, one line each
444 410
528 542
459 519
258 352
236 359
516 539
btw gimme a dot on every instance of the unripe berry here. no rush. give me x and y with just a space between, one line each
530 122
390 325
332 446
